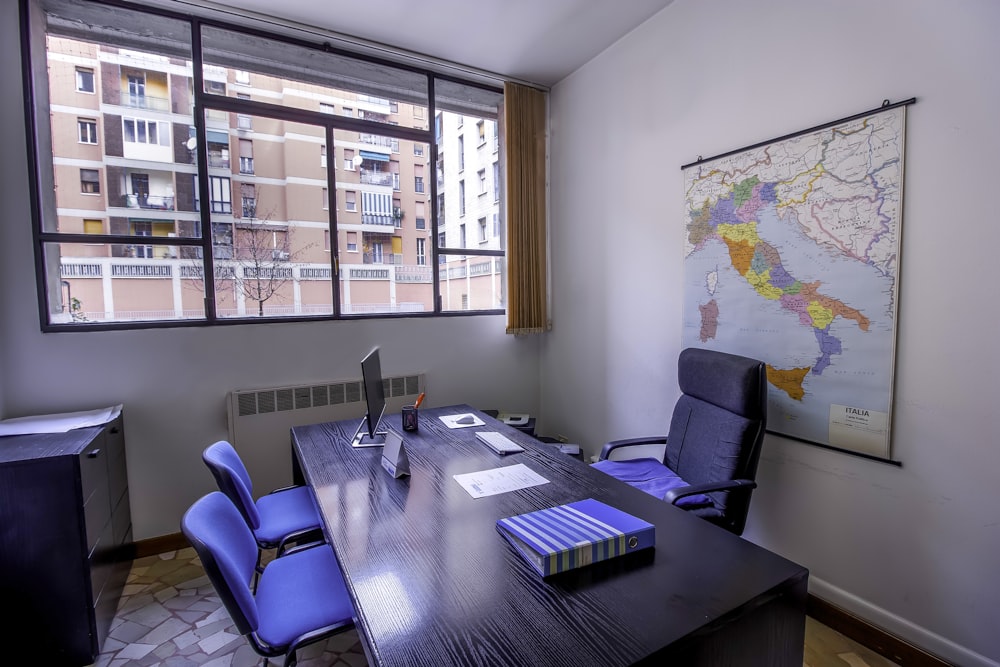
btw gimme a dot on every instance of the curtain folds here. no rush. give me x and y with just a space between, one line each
524 130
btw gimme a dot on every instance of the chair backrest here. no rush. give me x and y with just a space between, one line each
718 426
233 479
228 552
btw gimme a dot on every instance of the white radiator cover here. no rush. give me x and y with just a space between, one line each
260 419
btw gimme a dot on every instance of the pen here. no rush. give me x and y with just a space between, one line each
420 398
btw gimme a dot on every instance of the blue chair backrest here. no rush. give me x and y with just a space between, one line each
233 479
228 552
718 423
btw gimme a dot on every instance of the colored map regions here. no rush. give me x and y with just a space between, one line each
709 320
788 380
732 219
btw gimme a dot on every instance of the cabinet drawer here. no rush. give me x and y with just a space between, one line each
93 466
97 515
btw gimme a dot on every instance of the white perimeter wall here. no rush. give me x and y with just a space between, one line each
173 382
913 549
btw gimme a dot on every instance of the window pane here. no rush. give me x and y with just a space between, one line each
465 207
303 78
380 198
124 283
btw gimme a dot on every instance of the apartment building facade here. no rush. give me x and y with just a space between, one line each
307 217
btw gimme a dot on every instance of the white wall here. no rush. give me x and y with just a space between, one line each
173 382
913 549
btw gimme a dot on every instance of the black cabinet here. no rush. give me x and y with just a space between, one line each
65 542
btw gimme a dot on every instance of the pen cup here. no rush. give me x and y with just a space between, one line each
409 418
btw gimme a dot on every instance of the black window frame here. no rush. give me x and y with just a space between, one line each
202 102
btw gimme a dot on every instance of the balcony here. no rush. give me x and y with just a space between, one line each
154 202
144 101
378 140
377 178
377 219
218 161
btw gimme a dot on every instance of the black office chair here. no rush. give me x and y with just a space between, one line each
711 452
300 599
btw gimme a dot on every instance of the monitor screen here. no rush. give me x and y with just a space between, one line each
371 376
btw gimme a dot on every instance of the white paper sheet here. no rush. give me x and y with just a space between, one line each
451 421
58 423
499 480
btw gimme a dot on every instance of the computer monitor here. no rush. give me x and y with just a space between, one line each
368 434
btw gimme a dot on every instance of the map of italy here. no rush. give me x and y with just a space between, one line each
791 256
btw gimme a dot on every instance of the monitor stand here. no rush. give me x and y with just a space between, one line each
362 439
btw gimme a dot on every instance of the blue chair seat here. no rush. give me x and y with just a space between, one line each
299 592
654 478
285 512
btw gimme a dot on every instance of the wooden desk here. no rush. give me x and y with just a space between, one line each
434 583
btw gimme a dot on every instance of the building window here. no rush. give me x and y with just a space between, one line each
377 257
421 252
93 226
461 236
346 111
90 181
84 79
461 153
87 128
242 76
246 156
352 241
421 215
482 230
248 196
418 149
482 181
349 159
243 121
496 224
215 87
221 195
140 131
418 178
351 200
441 244
496 181
461 197
326 199
481 128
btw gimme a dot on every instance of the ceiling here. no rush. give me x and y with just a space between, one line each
537 41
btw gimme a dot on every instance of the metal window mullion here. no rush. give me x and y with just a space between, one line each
205 195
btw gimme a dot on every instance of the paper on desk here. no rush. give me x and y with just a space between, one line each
499 480
58 423
451 421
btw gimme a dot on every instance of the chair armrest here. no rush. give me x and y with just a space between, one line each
284 488
302 539
732 485
630 442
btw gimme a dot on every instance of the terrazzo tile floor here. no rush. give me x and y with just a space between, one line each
170 615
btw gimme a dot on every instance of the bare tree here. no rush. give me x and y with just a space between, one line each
257 265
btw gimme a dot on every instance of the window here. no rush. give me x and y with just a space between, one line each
496 224
87 128
461 153
482 181
221 195
90 181
496 181
461 198
140 131
461 235
84 80
481 127
482 230
157 160
246 156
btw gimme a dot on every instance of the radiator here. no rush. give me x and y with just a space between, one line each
260 419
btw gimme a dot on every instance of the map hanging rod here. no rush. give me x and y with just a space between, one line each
886 105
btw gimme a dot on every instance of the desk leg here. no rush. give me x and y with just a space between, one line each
298 478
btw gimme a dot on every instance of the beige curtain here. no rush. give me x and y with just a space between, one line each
524 136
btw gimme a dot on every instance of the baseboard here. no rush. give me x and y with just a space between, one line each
161 544
883 632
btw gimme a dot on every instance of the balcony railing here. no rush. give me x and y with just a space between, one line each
377 178
376 140
144 101
377 219
150 202
218 161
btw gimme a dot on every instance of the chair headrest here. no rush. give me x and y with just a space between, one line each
737 384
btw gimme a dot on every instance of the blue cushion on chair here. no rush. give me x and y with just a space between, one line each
285 512
653 477
299 593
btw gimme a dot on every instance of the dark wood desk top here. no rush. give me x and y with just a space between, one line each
434 583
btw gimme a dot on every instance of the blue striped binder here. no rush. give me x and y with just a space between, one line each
566 537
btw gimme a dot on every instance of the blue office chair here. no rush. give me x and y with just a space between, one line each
282 517
300 598
710 455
